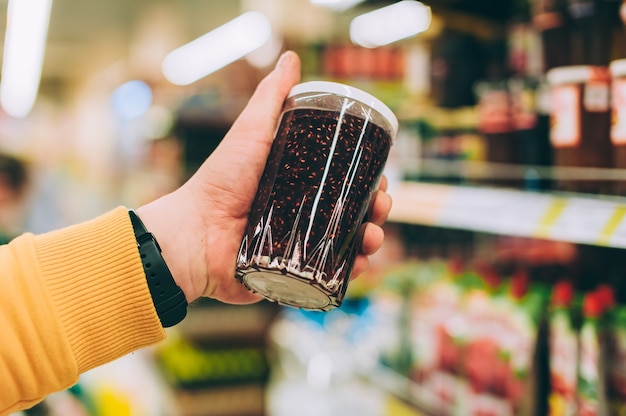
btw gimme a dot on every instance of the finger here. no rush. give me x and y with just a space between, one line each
382 186
234 293
380 207
373 236
259 118
361 263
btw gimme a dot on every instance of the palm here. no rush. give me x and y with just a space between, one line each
232 173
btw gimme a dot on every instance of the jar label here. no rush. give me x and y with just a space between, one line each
565 115
547 20
494 112
596 96
618 121
524 109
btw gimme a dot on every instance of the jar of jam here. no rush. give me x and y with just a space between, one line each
579 126
304 226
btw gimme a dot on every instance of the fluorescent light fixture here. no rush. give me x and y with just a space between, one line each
216 49
266 55
336 4
389 24
24 47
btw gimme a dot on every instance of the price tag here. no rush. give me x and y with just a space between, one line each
520 213
582 220
511 212
494 211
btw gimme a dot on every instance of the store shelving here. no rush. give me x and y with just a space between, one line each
576 218
215 362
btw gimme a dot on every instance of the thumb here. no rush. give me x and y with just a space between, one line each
259 118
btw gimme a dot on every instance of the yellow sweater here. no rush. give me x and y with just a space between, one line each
70 300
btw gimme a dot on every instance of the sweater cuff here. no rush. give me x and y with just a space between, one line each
98 286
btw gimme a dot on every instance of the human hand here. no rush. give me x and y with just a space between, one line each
200 225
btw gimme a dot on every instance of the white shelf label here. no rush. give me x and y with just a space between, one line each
576 219
494 211
582 220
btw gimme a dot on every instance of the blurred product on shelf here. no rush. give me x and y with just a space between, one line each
483 333
591 387
496 125
550 19
615 338
618 119
347 61
457 62
563 350
447 136
580 123
531 125
591 30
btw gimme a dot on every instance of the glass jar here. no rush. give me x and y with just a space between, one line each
580 123
304 226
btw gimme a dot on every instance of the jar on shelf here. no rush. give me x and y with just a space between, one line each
580 123
618 119
531 129
550 19
495 123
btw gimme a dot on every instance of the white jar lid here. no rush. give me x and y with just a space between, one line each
576 74
618 68
349 92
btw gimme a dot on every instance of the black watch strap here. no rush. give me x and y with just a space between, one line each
169 300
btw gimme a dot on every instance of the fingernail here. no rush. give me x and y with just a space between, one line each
283 60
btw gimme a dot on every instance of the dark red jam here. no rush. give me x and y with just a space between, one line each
313 197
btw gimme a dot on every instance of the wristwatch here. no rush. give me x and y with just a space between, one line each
169 300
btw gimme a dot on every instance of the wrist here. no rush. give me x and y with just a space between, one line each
163 218
168 298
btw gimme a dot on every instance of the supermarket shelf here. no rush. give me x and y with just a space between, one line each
584 219
218 322
481 170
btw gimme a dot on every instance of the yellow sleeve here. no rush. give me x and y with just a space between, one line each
70 300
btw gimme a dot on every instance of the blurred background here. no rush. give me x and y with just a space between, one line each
499 289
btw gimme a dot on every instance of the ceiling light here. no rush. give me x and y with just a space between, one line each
389 24
24 47
216 49
336 4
